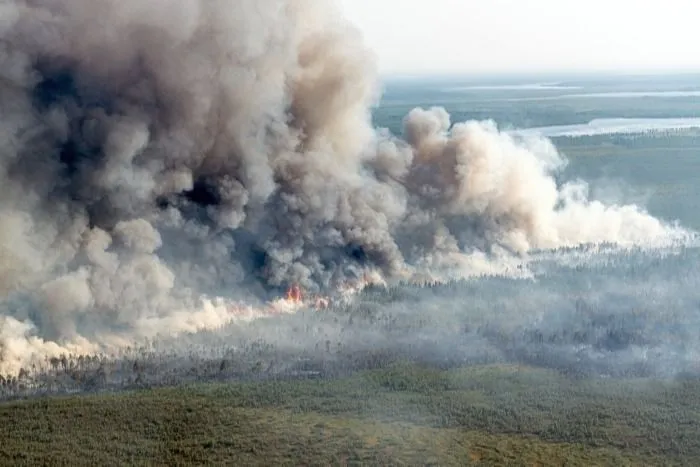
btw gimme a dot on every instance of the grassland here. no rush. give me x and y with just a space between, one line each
405 414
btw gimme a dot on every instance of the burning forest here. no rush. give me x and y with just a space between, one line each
173 167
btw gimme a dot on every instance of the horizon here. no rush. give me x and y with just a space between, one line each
558 74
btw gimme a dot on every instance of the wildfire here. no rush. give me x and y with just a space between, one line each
294 294
295 298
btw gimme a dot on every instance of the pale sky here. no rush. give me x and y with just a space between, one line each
430 36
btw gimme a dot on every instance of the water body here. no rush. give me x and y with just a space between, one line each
513 87
612 126
613 95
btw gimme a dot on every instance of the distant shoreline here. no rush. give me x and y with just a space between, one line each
545 76
611 126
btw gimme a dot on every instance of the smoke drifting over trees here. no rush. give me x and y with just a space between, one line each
156 153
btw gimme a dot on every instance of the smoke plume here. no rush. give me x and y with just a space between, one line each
156 153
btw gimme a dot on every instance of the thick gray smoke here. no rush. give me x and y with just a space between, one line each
153 153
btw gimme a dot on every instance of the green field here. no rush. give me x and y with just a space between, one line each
403 415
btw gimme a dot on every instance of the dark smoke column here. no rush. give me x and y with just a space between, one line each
235 129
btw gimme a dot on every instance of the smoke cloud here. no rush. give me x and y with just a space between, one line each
154 154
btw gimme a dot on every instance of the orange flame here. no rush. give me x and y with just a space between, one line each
294 294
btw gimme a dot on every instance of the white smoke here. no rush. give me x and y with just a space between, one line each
156 153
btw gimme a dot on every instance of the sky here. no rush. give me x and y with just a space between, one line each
467 36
